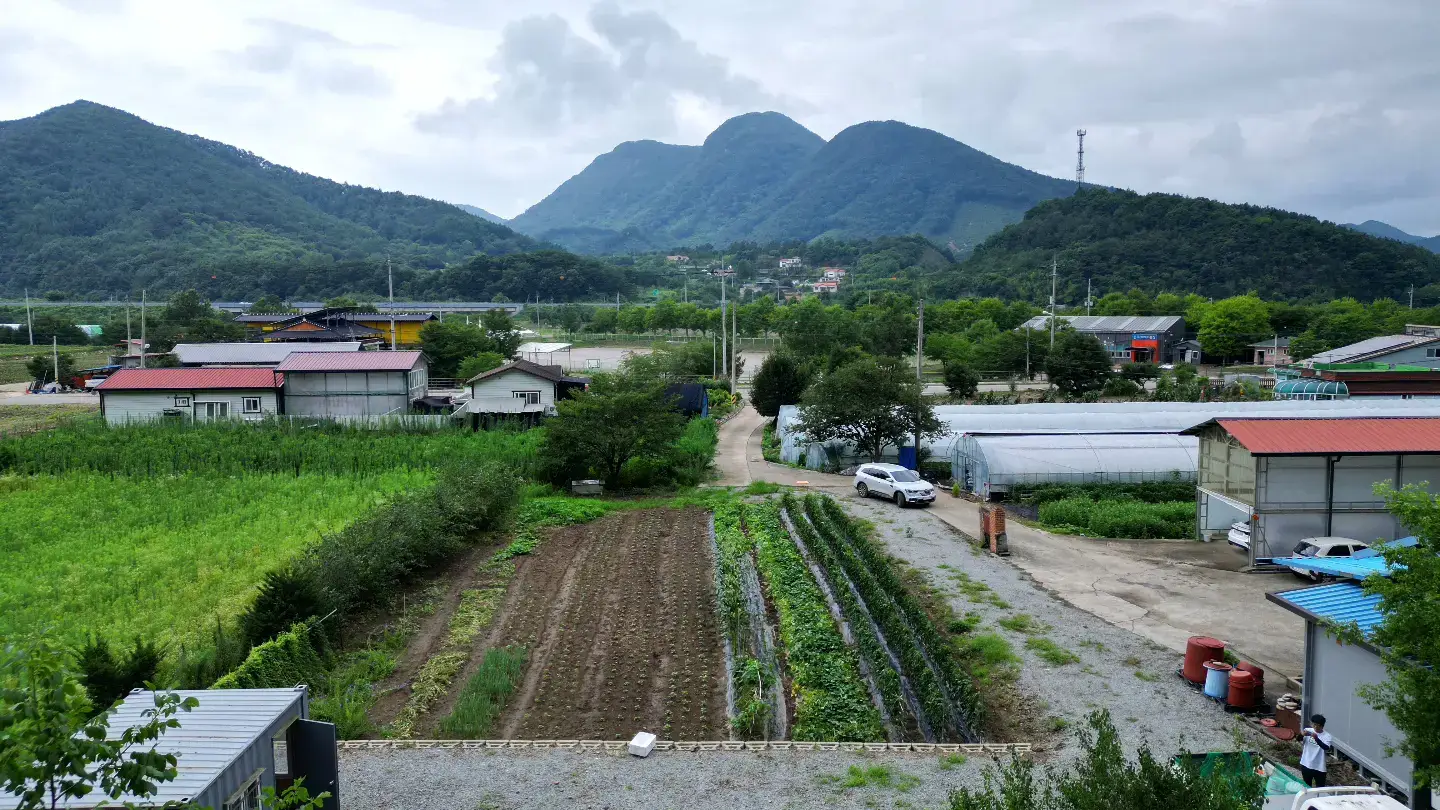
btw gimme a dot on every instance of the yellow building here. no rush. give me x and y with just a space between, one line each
329 325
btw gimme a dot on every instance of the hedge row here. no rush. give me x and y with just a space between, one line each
1146 491
298 655
1122 518
958 687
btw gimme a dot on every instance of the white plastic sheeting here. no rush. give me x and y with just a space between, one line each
988 464
1108 417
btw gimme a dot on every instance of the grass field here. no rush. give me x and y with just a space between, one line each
14 358
18 419
162 557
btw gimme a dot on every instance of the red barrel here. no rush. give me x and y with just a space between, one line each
1244 691
1197 651
1246 666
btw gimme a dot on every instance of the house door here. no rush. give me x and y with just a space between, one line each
211 411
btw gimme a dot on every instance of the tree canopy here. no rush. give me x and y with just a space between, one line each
870 402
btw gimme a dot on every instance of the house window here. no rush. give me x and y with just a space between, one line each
530 397
182 402
1432 353
250 404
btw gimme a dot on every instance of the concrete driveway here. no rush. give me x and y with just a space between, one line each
1163 590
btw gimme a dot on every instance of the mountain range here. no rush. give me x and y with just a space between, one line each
1385 231
763 177
96 201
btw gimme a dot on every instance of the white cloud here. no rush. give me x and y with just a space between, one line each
1324 106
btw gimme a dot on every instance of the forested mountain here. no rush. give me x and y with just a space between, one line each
1386 231
763 177
95 201
1166 243
481 213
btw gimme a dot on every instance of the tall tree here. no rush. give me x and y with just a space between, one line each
447 343
1407 638
781 380
597 432
960 378
1078 364
1228 327
870 402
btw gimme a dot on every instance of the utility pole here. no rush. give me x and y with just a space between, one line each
714 358
1089 301
724 333
919 374
29 322
734 347
1412 296
1054 273
55 358
142 328
390 280
129 344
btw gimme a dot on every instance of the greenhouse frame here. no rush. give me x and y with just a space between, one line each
989 465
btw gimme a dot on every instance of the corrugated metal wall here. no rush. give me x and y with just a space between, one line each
1333 671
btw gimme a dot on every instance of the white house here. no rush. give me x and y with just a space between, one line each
353 385
520 387
193 394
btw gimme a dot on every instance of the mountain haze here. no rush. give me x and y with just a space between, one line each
481 213
96 201
1386 231
761 176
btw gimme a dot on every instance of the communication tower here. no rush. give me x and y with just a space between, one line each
1080 159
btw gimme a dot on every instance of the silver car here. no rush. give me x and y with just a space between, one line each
899 484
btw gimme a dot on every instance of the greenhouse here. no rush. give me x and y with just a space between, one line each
988 465
1081 418
1311 390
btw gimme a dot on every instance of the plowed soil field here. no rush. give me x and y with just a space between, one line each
619 620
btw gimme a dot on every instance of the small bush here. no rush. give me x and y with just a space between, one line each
109 677
1121 518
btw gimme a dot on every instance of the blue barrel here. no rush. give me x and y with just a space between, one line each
907 458
1217 679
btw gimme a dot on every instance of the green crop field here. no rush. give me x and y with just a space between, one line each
161 558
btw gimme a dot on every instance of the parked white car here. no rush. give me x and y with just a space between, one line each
901 485
1239 536
1338 798
1327 547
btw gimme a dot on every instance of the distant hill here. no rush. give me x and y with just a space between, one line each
482 213
763 177
1385 231
96 201
1166 243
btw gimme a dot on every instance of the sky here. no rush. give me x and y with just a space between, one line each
1327 107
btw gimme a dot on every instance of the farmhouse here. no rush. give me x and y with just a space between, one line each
260 355
1289 479
1128 338
1418 346
194 394
353 385
232 746
1335 669
519 388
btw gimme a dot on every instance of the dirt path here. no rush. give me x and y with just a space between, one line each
463 574
732 453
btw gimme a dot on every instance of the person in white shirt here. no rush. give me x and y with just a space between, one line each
1318 743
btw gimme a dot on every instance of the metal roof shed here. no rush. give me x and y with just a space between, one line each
988 464
234 744
251 354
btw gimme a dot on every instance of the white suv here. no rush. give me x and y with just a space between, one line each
892 481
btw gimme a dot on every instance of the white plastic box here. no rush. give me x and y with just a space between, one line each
642 744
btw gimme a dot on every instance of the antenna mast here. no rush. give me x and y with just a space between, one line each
1080 159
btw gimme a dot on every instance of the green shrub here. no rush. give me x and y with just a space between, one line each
1121 518
109 676
1146 491
294 657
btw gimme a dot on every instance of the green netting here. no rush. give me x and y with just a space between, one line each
1279 780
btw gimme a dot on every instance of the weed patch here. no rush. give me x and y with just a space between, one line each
1051 652
485 694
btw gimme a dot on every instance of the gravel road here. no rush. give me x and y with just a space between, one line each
1117 670
714 780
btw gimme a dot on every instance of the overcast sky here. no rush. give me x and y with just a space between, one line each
1329 107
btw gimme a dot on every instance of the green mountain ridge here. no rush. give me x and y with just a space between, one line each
763 177
1121 240
97 201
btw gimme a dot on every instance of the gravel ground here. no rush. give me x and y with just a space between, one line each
1117 670
722 780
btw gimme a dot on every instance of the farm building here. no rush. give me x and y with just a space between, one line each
192 394
1273 352
1294 478
232 746
989 465
1335 669
1128 338
262 355
519 388
1062 418
690 399
344 324
353 385
1373 379
1418 346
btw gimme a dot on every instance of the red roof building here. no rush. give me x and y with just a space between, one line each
191 379
190 394
1298 437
